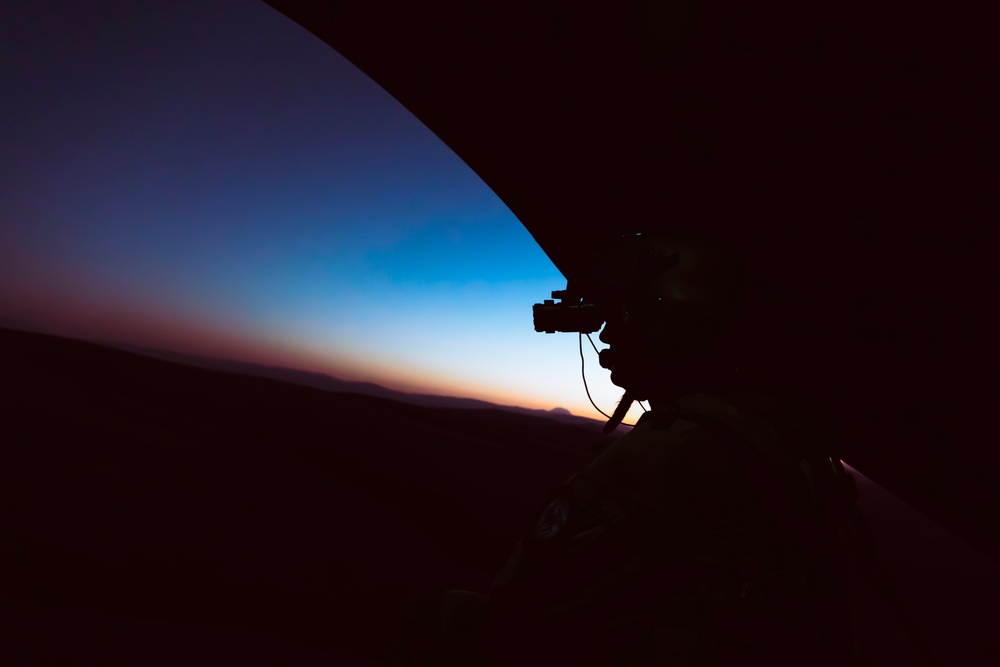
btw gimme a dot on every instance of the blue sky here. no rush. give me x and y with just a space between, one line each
236 188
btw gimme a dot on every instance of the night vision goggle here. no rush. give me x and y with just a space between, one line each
572 314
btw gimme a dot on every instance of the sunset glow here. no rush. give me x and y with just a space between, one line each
239 190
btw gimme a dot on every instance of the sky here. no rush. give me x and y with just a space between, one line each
211 178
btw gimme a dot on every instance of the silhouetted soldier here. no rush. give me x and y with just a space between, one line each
714 533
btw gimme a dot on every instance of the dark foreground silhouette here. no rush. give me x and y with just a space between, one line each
155 513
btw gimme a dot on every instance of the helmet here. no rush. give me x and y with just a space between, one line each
683 287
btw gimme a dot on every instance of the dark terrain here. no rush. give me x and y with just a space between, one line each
152 509
158 513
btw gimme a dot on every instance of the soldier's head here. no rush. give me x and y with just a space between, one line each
668 300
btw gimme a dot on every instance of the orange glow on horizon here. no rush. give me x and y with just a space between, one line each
113 322
401 377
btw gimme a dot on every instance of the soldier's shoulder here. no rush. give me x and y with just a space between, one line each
663 457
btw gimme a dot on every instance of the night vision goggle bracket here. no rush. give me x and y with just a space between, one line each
574 313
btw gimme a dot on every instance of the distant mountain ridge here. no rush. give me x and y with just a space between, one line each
323 381
329 383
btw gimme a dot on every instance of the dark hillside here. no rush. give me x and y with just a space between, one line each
138 491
